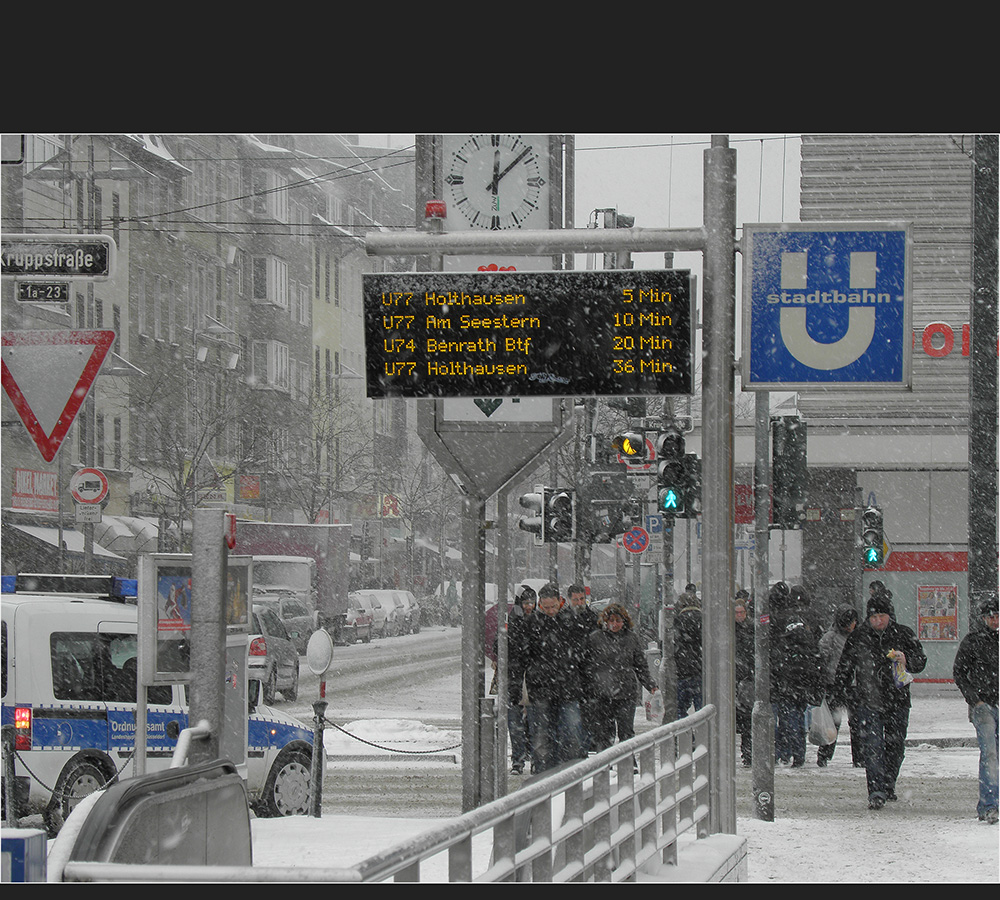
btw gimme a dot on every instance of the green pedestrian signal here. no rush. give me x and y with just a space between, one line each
872 537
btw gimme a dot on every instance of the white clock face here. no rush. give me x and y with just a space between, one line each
497 181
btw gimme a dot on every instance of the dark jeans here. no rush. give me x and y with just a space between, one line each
688 694
612 714
884 740
744 725
519 729
556 733
789 731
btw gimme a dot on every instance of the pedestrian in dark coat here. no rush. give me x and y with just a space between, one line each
879 659
518 711
831 646
745 656
796 676
687 652
616 666
553 676
975 672
584 621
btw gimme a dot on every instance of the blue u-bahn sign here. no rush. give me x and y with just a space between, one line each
826 306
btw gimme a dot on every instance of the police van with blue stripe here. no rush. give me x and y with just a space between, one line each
69 647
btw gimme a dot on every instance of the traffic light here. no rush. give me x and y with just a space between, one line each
535 524
635 407
560 515
671 476
603 508
692 483
789 471
872 538
630 445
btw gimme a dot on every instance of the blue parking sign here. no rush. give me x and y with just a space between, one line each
826 306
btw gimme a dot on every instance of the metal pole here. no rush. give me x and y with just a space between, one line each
983 379
208 630
473 658
718 387
668 670
318 758
762 717
503 592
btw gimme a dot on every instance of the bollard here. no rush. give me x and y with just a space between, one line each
316 780
9 797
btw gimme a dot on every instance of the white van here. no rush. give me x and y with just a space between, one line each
69 652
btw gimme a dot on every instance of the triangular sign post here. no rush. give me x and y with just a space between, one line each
47 375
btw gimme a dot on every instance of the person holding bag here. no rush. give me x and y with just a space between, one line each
831 646
873 653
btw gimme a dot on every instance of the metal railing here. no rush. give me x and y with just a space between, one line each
599 820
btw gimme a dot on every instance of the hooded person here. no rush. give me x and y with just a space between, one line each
831 646
687 651
876 666
796 674
976 676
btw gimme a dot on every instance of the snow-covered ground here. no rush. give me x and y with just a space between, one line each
886 847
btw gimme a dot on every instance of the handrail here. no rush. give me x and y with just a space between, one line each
594 820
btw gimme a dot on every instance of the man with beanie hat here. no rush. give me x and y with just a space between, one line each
880 656
975 672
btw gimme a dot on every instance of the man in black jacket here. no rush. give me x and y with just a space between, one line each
553 674
975 672
879 659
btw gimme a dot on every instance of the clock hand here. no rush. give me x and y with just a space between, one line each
493 185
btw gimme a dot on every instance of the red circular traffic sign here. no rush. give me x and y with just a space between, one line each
636 539
89 486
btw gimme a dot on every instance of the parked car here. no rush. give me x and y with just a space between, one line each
393 611
411 615
374 609
358 626
272 651
298 619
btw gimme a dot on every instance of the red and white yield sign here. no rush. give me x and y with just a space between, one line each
47 375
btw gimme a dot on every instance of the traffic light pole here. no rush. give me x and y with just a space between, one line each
718 401
716 239
762 717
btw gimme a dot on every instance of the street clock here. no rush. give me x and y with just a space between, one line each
496 182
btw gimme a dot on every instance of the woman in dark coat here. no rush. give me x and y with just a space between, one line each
615 667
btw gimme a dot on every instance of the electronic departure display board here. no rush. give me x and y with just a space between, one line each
524 334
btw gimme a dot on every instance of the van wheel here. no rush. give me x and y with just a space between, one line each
367 639
78 780
286 792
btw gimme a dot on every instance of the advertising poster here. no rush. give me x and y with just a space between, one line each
937 612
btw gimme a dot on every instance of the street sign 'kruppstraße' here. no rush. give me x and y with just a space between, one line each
45 256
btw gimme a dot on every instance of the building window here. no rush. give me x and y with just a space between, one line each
270 364
270 281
